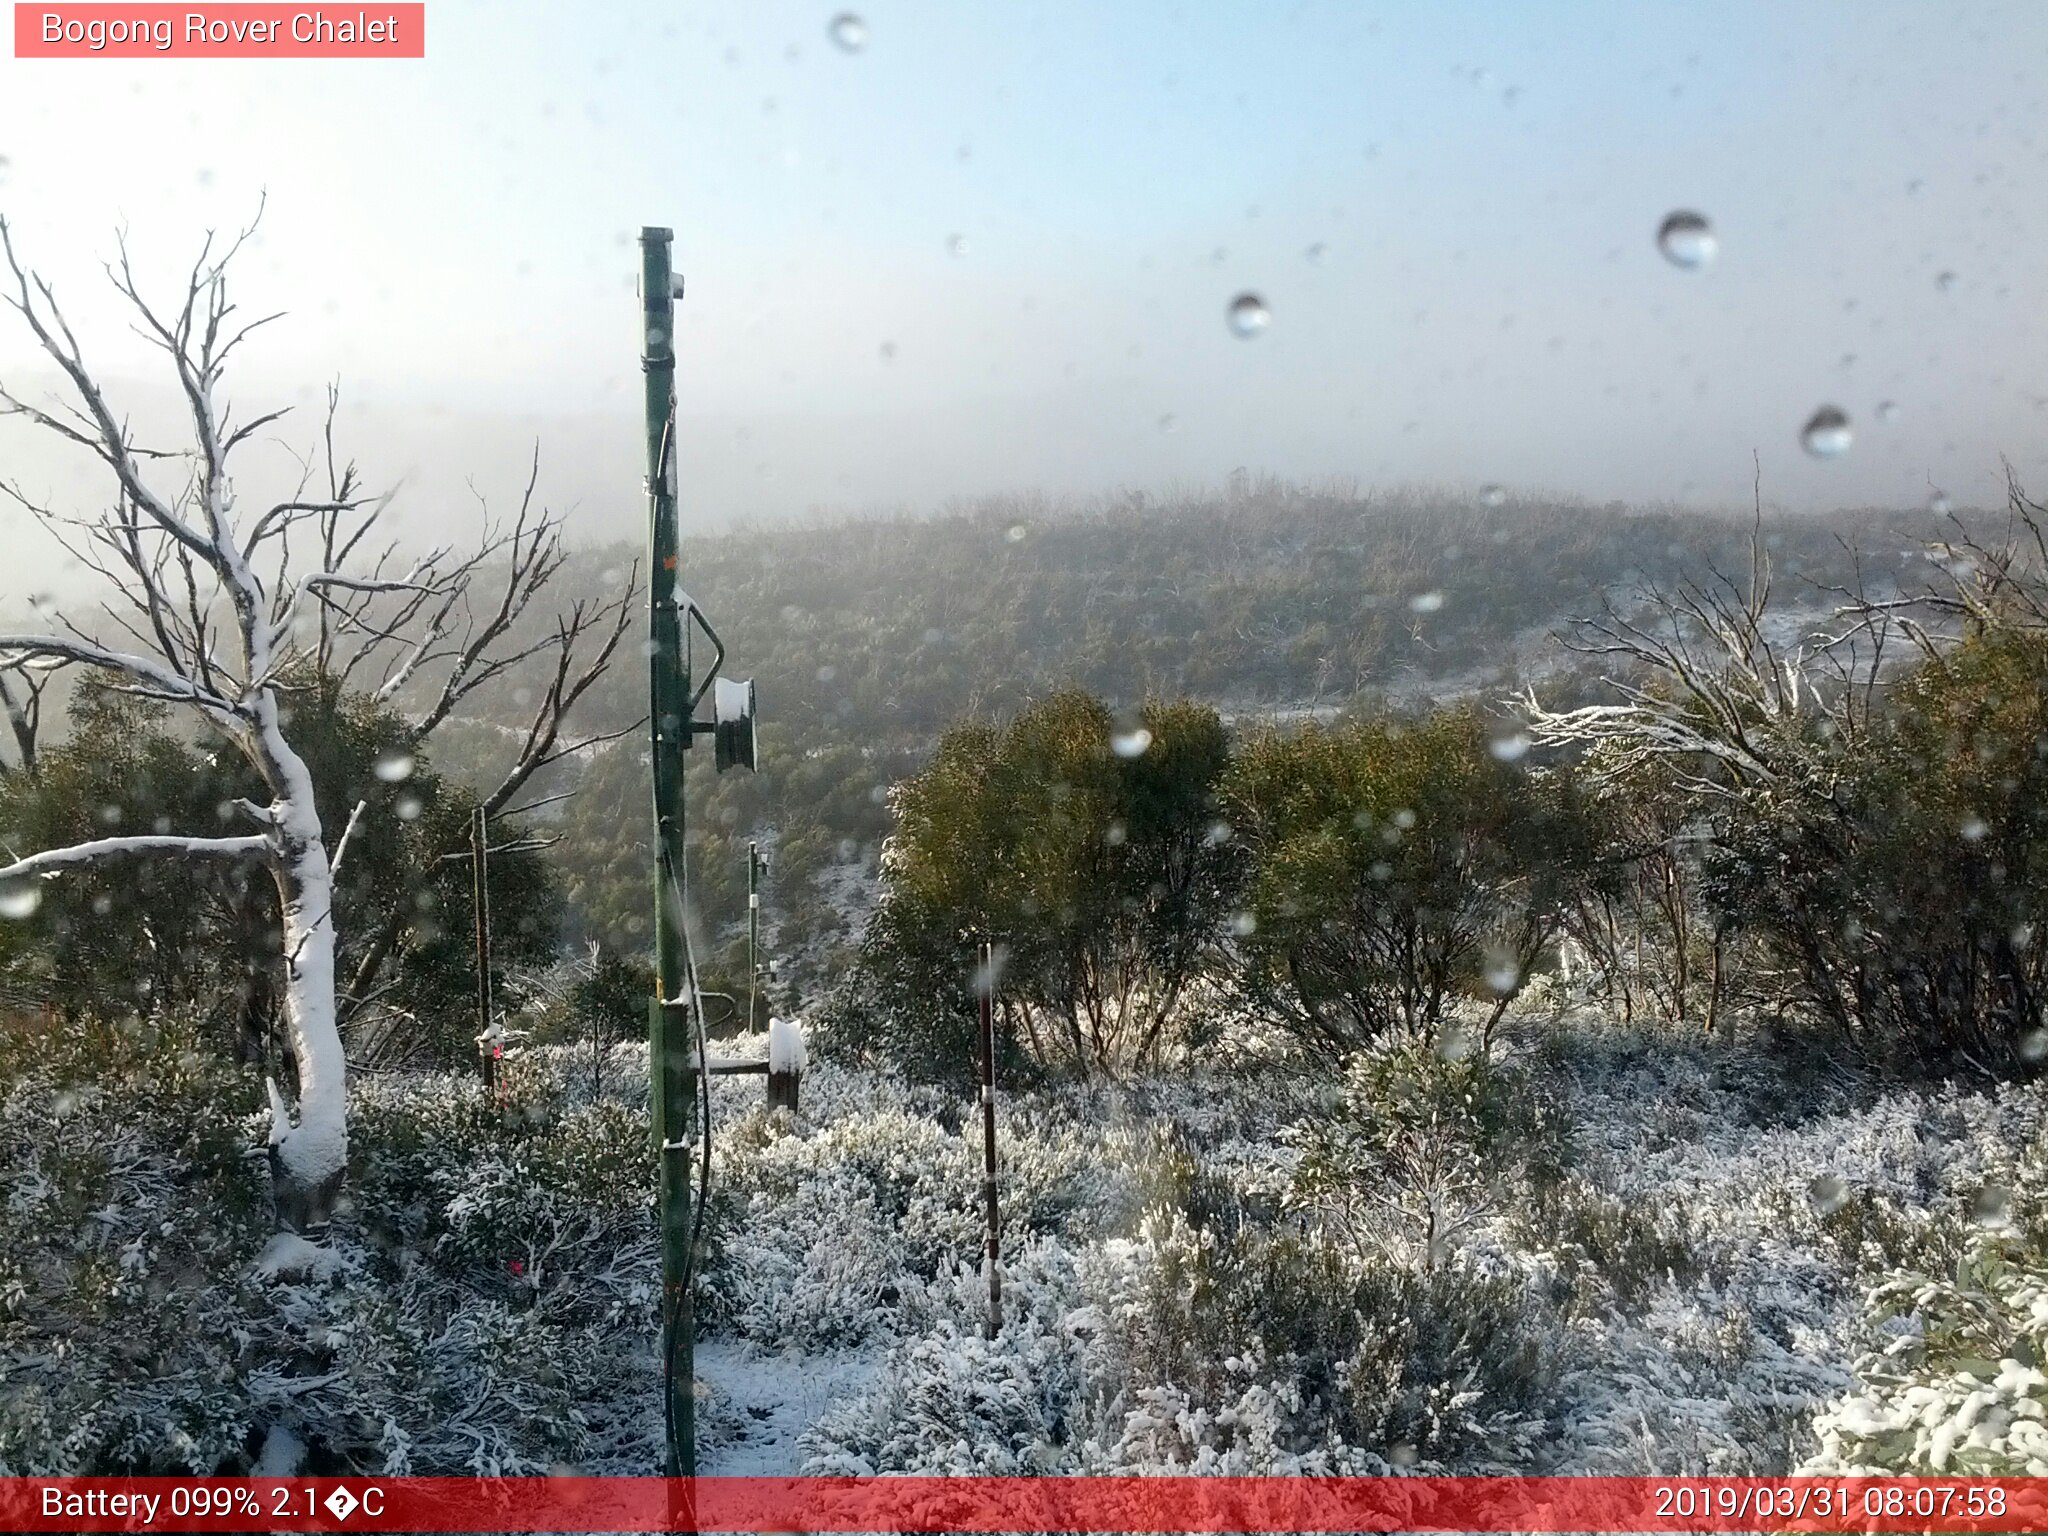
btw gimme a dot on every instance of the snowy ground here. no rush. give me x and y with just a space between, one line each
1696 1295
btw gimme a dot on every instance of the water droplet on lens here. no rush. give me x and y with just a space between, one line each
393 766
1687 240
1827 434
1502 974
19 899
1945 281
1016 533
1316 253
1887 410
1993 1207
956 245
1425 602
849 32
1131 743
1973 829
1508 748
1169 422
1827 1195
2034 1045
408 808
1248 315
888 350
1243 924
1492 496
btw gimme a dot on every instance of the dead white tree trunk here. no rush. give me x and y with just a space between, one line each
226 615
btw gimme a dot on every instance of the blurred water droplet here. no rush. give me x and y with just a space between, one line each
394 765
1218 834
1509 748
2034 1045
1016 533
1992 1207
1248 315
1938 504
1887 410
19 899
848 32
987 975
1973 829
1687 240
956 245
408 808
1502 974
102 904
1492 496
1131 743
1827 434
1454 1041
1169 422
1425 602
1243 924
1115 834
888 351
1827 1195
1315 253
1945 281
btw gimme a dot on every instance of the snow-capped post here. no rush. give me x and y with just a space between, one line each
489 1040
786 1062
991 1255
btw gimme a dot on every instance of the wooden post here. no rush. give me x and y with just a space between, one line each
487 1039
785 1063
991 1255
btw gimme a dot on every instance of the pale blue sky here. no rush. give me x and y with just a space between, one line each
453 237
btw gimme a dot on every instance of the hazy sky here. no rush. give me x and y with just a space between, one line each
993 249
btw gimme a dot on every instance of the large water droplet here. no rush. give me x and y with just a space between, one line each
1502 974
1248 315
848 32
394 765
1993 1207
1169 422
1938 504
1827 1195
1132 743
1425 602
1243 924
19 898
1492 496
1945 281
1687 240
1509 748
956 245
408 808
1826 434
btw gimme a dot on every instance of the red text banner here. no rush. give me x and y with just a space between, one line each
576 1504
232 31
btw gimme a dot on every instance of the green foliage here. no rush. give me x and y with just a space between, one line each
1898 886
1396 866
1088 854
1420 1146
165 933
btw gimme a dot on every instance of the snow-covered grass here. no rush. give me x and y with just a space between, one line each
1649 1252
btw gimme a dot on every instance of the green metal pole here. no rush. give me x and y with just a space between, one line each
672 1099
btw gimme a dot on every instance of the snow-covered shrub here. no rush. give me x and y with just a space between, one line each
1419 1145
483 1305
1958 1387
1450 1364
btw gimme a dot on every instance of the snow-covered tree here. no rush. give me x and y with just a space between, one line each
226 611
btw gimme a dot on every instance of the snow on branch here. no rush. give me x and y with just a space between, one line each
55 861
